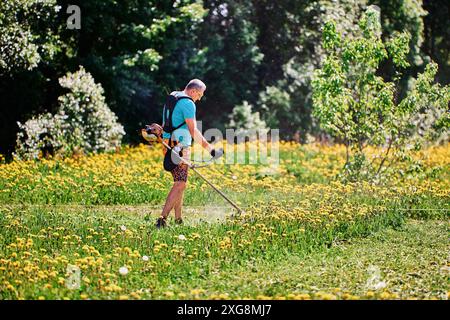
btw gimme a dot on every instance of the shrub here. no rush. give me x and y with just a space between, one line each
243 119
39 136
83 123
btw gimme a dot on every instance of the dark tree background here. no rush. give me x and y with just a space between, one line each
261 51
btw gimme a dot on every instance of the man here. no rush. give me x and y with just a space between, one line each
184 112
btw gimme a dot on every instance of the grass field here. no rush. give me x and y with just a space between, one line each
304 235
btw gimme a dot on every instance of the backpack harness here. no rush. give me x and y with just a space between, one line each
169 107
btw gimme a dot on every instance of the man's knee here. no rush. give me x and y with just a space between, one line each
180 185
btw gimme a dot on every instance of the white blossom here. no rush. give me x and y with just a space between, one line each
123 271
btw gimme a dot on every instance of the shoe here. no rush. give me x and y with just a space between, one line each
161 223
179 221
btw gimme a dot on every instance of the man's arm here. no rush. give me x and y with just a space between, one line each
197 135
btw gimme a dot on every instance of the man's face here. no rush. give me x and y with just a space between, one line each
198 94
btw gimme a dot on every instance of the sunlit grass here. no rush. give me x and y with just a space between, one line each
97 213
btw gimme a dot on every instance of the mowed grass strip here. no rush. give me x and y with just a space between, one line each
408 262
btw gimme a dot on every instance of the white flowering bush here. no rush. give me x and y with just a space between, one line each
83 122
21 45
39 136
92 124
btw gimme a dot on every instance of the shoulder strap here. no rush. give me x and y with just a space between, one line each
184 122
184 97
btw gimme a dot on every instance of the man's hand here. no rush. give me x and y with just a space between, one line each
216 153
199 138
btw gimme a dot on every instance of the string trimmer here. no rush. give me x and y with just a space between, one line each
153 133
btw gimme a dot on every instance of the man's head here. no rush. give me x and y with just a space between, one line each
195 89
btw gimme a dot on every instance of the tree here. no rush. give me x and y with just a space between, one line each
403 16
436 36
138 51
228 40
356 105
243 119
29 45
286 104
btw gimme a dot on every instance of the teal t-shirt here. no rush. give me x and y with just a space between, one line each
184 109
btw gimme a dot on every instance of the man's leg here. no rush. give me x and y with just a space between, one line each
173 198
178 206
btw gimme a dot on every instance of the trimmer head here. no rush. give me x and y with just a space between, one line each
152 133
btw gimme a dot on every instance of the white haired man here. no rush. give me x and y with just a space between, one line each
183 127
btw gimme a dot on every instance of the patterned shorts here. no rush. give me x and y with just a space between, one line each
180 173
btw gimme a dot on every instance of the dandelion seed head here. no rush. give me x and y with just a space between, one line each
123 271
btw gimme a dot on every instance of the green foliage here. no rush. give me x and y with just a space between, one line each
279 111
359 107
256 51
437 33
138 52
144 53
83 123
231 59
292 114
404 16
243 119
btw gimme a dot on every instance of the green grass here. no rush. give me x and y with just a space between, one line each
60 232
284 262
412 260
302 232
